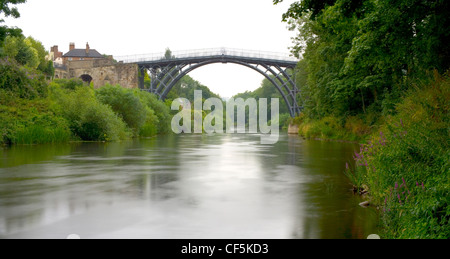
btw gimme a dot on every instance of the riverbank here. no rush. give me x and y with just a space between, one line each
36 111
403 162
355 129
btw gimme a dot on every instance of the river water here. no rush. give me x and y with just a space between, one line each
181 187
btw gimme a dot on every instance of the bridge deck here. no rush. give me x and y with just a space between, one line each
212 54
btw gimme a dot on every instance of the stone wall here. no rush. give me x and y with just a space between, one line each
293 129
103 71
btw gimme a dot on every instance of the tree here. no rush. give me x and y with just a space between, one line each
299 8
22 50
21 81
9 11
357 53
125 104
28 52
168 54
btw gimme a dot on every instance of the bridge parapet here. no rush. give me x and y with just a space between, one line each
202 53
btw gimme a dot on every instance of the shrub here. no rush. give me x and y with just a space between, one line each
99 122
150 127
160 110
285 120
20 81
356 126
31 122
125 104
88 119
69 84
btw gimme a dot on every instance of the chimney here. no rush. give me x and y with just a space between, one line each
87 48
71 46
55 52
54 49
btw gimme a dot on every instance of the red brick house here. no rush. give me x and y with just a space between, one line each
81 54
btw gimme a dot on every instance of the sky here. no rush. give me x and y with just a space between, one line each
132 27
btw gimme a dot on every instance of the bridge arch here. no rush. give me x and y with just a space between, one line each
86 78
186 71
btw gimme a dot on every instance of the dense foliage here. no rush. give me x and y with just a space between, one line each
358 56
28 52
25 114
7 10
88 118
268 90
185 89
124 103
406 165
21 81
33 112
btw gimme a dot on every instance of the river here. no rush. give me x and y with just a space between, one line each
181 187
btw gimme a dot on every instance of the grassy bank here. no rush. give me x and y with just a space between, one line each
30 122
404 161
352 128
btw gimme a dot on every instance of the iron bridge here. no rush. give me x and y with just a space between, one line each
165 72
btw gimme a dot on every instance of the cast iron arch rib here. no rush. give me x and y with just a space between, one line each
193 67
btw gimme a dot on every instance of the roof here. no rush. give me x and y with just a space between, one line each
81 53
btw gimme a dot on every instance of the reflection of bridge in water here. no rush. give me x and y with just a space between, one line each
165 72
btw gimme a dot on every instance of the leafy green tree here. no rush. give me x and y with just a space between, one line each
299 8
156 107
358 53
21 81
88 118
168 54
7 11
22 51
185 89
125 104
267 90
45 66
28 52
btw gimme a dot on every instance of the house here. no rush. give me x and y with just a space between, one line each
92 67
80 54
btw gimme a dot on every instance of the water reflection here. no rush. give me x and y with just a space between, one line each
188 186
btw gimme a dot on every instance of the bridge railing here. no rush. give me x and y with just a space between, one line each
207 53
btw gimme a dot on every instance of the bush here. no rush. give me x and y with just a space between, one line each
150 127
125 104
30 122
20 81
160 110
285 120
88 119
356 126
332 128
69 84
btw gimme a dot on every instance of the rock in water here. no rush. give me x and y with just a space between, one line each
364 204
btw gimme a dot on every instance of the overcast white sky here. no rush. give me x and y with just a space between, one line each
149 26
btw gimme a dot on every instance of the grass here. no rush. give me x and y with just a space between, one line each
31 122
351 128
41 134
